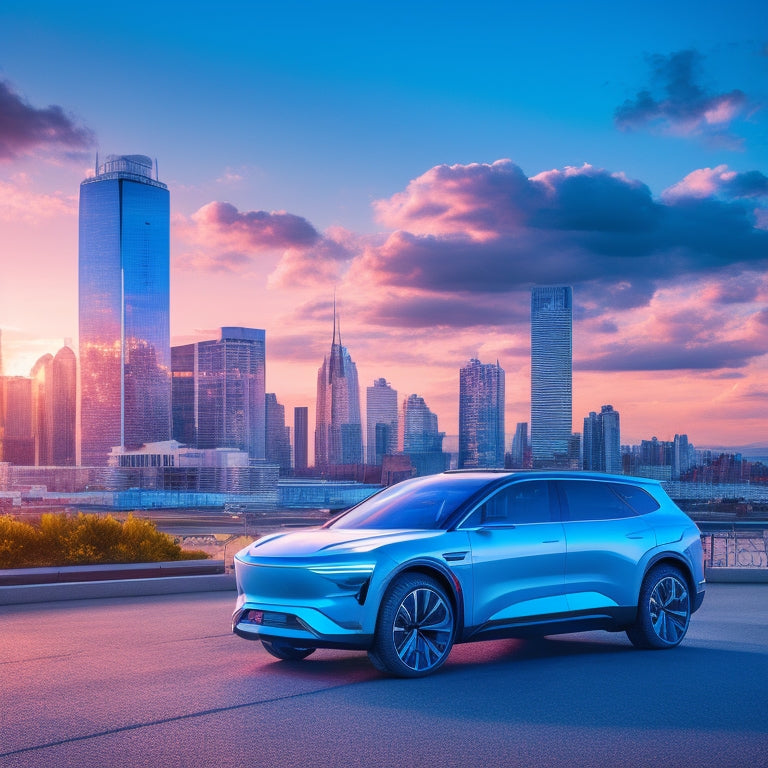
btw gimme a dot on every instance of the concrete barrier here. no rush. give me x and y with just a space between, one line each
109 572
41 585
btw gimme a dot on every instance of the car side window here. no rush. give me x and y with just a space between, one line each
637 498
593 500
515 504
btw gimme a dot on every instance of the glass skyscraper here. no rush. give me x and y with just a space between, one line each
481 415
551 374
219 398
124 269
601 441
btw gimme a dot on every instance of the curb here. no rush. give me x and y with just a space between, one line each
24 594
736 575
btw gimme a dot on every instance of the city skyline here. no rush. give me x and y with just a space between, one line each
432 191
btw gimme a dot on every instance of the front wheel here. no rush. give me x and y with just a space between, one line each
416 627
286 652
664 610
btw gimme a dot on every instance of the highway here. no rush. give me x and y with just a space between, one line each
161 682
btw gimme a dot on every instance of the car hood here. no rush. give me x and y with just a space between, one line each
331 541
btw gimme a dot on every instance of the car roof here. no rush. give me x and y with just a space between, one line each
554 474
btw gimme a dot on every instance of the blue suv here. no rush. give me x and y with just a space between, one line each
474 555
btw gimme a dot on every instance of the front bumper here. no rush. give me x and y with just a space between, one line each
297 626
304 604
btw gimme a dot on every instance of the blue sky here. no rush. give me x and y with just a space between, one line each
330 112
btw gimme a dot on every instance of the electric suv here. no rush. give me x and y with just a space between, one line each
474 555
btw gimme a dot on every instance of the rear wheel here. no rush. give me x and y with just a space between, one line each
286 652
664 610
416 627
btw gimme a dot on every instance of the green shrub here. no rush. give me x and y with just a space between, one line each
85 539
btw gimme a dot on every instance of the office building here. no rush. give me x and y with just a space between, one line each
381 420
18 445
300 437
601 441
125 354
422 439
551 374
42 410
64 408
219 398
481 415
338 429
520 453
278 440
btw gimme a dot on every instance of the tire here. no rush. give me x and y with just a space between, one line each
416 627
286 652
663 611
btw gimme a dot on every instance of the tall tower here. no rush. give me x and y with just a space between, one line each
124 268
601 450
381 419
300 436
551 373
481 415
278 441
219 392
43 427
338 429
64 405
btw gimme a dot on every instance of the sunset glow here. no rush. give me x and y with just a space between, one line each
429 183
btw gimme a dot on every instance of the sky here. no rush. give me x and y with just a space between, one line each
429 162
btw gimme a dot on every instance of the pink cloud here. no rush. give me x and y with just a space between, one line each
24 128
222 238
19 202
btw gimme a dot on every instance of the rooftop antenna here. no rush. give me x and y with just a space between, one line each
157 175
96 169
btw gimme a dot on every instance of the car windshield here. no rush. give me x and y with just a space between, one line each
423 502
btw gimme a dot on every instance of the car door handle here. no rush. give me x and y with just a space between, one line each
636 535
454 557
551 541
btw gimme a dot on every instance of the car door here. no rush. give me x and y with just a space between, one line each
518 555
605 540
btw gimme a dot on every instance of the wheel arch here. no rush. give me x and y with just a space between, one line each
443 575
675 560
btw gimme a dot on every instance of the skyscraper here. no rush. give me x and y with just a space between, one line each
520 454
481 415
64 403
219 392
422 440
42 410
125 353
381 418
278 442
601 450
300 437
551 373
338 429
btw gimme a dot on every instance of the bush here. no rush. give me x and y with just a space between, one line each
86 539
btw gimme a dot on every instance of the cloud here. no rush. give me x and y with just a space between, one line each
719 181
441 311
224 238
676 104
489 229
19 202
24 128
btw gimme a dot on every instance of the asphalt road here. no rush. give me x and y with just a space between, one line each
161 682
